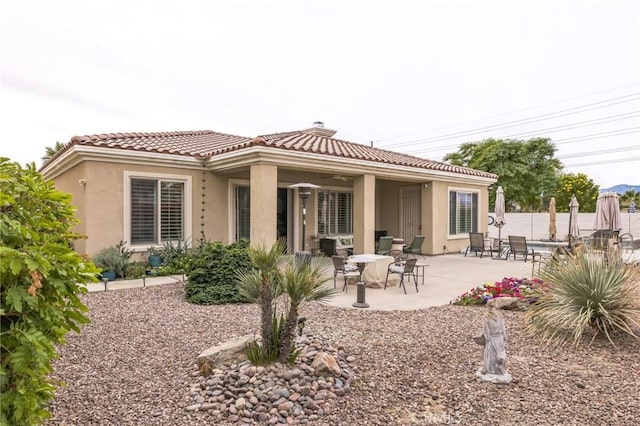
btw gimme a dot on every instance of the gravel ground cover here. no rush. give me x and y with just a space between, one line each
133 365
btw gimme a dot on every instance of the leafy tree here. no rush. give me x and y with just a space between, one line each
527 170
42 278
585 190
628 197
51 151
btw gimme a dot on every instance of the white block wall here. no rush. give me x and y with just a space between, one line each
535 226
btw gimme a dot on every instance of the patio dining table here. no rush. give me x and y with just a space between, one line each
374 269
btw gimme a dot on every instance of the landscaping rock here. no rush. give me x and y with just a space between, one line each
509 303
229 352
324 363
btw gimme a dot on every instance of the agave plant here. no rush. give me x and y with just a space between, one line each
591 291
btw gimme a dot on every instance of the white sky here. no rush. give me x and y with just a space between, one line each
411 76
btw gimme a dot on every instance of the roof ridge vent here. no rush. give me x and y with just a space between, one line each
318 129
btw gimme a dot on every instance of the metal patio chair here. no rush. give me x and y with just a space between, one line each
404 269
476 244
415 246
347 270
384 245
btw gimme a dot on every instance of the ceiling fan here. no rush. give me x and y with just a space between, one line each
342 178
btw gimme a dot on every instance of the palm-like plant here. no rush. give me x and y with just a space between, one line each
589 291
297 281
51 151
303 282
263 284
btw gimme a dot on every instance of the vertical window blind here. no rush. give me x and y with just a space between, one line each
171 207
243 212
150 213
463 212
143 211
335 213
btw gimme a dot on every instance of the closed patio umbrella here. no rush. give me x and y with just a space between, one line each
498 210
574 231
552 219
607 211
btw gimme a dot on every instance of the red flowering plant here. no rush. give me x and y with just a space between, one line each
522 288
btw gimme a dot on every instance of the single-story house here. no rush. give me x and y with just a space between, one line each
150 188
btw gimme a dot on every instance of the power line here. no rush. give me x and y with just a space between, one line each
580 124
604 151
619 132
626 131
595 163
509 124
512 112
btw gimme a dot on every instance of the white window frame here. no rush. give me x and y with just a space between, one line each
126 202
457 190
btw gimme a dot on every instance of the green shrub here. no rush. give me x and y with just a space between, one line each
109 259
267 352
115 258
588 292
136 270
175 255
39 300
211 273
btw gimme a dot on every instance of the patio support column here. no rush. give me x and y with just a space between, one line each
364 217
427 220
264 191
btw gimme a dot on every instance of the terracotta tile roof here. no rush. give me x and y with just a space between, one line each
199 144
307 142
206 143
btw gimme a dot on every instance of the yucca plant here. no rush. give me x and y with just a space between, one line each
587 292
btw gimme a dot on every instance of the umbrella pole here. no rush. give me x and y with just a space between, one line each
569 229
499 256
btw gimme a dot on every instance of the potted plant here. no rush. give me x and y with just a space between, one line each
154 256
111 262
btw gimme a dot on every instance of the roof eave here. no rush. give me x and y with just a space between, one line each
79 153
323 163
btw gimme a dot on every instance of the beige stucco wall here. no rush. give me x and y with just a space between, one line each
376 204
264 185
216 211
387 207
364 207
71 183
437 218
104 194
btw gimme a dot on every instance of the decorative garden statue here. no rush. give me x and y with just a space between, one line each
494 338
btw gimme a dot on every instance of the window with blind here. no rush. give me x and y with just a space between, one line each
157 211
335 213
243 212
463 212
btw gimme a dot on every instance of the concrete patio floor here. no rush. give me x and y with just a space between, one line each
445 278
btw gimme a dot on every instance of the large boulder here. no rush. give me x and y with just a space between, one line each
226 353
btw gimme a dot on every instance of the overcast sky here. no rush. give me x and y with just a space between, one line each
418 77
